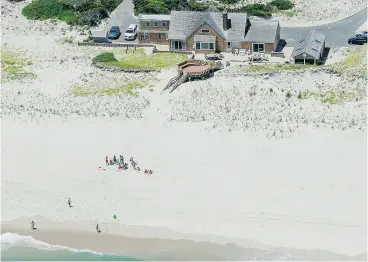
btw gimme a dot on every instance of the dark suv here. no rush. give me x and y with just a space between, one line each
358 39
114 32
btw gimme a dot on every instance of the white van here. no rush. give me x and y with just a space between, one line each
131 32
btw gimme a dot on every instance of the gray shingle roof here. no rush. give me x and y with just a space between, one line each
262 31
311 44
238 23
211 8
154 17
184 23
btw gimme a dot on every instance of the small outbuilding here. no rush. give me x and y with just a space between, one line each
309 49
100 36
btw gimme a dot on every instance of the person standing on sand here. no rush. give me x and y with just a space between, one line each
114 158
33 225
98 229
69 202
107 160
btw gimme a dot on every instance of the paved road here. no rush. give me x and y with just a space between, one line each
123 16
336 33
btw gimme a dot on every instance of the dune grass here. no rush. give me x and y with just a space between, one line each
14 63
130 88
274 68
138 59
288 13
355 62
332 97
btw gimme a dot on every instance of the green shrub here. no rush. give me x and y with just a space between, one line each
282 4
73 12
44 9
104 57
70 17
258 10
229 2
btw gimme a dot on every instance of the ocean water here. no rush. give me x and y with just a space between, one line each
15 247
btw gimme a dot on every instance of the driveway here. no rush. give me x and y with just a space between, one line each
336 33
123 16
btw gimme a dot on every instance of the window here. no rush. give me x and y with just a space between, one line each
236 44
159 36
205 46
258 48
156 24
163 24
146 35
147 24
205 31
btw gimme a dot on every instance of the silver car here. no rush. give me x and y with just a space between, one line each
131 32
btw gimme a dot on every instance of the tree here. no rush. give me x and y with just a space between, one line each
155 7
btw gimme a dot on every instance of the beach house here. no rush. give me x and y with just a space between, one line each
213 31
309 49
153 29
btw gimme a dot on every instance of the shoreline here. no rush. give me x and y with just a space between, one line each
149 246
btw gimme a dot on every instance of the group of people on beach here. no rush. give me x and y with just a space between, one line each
121 165
124 166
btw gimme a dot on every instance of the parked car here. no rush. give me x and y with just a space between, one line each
358 39
213 56
131 32
114 32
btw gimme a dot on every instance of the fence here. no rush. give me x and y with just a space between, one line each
278 54
115 45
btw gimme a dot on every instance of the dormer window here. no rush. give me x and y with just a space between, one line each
156 24
147 24
163 24
205 31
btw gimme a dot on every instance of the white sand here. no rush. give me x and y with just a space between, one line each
313 12
303 187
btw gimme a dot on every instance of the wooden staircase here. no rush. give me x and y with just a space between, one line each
180 81
173 80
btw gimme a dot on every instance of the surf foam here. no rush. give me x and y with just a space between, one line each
9 240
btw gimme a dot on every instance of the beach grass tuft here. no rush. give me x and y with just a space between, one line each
333 98
288 13
274 68
129 89
138 59
14 63
355 62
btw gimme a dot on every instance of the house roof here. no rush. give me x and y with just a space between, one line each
262 31
212 8
154 17
311 44
184 23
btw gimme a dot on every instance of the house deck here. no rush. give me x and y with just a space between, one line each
196 69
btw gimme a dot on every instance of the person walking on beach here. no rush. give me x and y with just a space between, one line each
107 160
98 229
114 158
69 202
33 225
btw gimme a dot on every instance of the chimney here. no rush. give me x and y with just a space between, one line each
225 20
